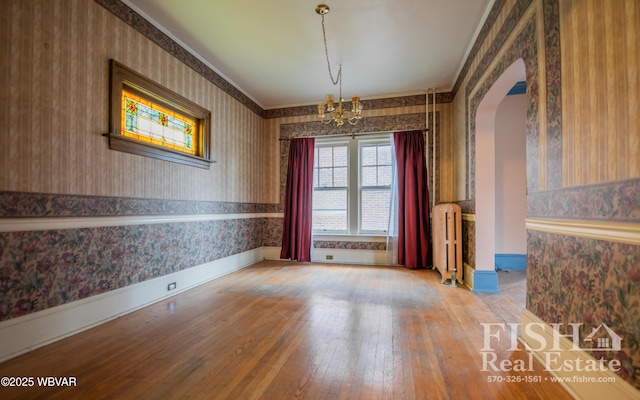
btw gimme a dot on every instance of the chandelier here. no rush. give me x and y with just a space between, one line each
329 111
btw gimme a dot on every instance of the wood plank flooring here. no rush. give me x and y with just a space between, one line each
281 330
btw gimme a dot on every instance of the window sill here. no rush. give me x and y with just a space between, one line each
350 238
126 145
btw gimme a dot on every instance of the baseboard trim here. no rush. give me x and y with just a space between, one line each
611 386
468 275
272 253
29 332
340 256
348 256
485 281
517 262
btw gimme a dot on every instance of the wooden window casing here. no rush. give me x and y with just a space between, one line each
123 79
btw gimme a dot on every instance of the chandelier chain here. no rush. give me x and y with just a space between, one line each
326 53
332 110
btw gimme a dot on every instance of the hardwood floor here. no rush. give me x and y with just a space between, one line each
280 330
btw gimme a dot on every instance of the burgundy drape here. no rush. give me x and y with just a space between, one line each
414 249
296 234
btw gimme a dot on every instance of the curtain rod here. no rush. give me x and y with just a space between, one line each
353 135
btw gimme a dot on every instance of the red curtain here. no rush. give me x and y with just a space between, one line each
296 235
413 200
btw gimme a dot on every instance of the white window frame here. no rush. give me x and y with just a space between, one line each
367 141
332 143
354 188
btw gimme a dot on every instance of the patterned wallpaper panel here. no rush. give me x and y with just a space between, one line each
578 280
20 205
612 201
523 47
55 162
601 60
272 235
469 241
343 245
56 95
44 269
570 279
373 104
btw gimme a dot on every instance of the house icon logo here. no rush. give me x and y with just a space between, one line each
610 341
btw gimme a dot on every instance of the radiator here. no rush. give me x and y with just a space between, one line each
447 241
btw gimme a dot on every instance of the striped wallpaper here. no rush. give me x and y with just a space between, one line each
54 110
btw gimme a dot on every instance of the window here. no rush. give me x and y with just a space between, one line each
150 120
330 188
375 186
352 185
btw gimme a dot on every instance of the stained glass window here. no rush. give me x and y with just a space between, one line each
150 122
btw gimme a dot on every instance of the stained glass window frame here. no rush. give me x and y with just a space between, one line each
170 110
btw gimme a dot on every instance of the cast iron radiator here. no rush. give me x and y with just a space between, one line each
447 241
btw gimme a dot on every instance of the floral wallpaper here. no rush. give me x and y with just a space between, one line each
611 201
469 242
578 280
373 104
18 204
385 123
526 47
523 47
44 269
570 279
333 244
272 235
553 86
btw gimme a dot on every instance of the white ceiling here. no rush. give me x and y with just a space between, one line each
273 51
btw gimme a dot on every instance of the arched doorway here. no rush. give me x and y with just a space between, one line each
485 277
